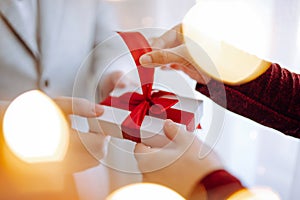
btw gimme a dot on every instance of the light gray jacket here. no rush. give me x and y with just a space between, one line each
68 30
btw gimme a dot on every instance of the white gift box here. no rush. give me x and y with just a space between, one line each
151 130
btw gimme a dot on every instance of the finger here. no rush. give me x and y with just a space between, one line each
176 66
145 157
162 57
80 154
95 144
85 108
186 69
117 80
79 106
141 148
169 39
173 131
165 67
200 77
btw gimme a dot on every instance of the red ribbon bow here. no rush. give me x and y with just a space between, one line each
149 102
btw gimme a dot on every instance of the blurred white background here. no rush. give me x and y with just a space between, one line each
259 156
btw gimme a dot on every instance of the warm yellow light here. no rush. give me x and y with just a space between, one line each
145 191
35 129
233 34
255 194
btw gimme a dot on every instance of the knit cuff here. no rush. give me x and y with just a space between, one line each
220 185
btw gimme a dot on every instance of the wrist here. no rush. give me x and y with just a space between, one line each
209 165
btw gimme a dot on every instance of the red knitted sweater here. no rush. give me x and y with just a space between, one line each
273 100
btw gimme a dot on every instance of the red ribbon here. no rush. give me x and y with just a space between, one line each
150 102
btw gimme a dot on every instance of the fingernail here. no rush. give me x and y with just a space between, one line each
146 59
99 109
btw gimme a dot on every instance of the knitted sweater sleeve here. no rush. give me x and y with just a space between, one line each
272 99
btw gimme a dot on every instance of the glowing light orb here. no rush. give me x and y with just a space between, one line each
35 129
258 193
146 191
235 35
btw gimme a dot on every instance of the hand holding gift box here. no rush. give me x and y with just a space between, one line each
140 117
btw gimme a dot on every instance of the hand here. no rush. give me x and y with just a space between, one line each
111 81
172 51
85 149
78 106
54 179
178 165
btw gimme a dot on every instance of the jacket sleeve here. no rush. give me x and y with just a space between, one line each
272 99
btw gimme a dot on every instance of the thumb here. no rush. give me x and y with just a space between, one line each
169 39
141 148
79 106
159 57
173 131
